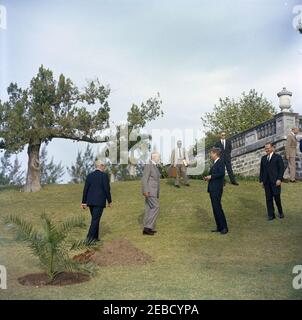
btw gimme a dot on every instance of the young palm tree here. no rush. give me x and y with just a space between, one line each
51 245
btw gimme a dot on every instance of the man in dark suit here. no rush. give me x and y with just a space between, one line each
226 149
271 176
95 194
215 189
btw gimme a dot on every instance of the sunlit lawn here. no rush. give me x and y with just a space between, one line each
254 261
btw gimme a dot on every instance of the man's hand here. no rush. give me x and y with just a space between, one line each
146 194
207 178
278 183
83 205
110 205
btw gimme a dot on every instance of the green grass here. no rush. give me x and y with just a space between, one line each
254 261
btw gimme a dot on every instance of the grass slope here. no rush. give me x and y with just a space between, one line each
254 261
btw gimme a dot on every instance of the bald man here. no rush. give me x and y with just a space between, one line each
150 190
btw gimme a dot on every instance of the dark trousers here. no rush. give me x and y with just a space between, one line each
228 165
218 211
272 193
96 214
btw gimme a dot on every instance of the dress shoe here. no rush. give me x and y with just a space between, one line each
281 216
177 187
271 218
235 183
187 185
293 181
224 231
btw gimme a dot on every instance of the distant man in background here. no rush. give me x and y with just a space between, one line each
226 149
215 181
150 190
271 175
290 154
95 195
180 160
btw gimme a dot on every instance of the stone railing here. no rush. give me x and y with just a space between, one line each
248 145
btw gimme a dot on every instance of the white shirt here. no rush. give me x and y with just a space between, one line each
270 156
223 143
216 160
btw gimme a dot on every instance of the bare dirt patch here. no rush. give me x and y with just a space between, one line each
115 253
62 279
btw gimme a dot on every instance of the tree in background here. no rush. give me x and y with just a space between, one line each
51 109
234 116
137 119
83 166
11 173
51 172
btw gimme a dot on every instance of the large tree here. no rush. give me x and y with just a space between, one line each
51 109
234 116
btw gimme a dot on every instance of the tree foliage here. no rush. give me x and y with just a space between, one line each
234 116
83 166
51 173
11 172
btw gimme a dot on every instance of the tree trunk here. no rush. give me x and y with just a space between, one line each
33 178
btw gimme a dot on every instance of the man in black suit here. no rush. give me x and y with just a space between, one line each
226 149
215 189
271 176
96 193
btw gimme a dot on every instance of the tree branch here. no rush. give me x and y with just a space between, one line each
75 137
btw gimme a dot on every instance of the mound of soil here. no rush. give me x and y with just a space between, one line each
115 253
62 279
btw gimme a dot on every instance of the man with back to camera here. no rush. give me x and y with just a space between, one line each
271 175
95 195
290 154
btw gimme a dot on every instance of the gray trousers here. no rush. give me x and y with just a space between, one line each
290 172
181 171
151 212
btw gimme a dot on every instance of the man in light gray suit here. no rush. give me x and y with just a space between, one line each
150 190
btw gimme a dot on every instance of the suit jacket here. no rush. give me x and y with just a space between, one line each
301 145
174 156
151 180
97 189
271 171
291 146
225 153
217 172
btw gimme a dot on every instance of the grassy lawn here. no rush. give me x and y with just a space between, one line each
254 261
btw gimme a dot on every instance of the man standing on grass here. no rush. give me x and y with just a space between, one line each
215 189
95 194
150 190
290 154
180 161
271 175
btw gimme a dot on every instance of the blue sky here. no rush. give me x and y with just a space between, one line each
191 51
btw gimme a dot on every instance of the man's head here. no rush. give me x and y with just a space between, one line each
215 153
269 148
179 143
155 156
223 135
295 130
100 165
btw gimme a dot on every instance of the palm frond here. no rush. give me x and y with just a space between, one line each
71 223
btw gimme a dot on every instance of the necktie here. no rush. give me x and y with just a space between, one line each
179 153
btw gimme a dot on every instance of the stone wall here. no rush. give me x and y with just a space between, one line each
248 146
